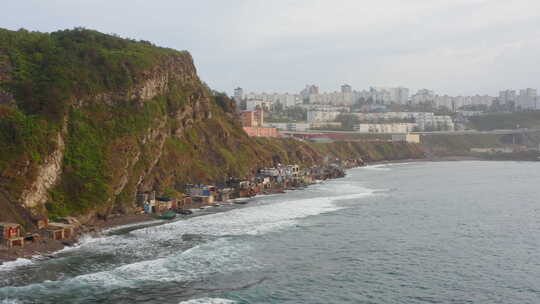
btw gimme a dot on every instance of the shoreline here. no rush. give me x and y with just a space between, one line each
47 248
427 159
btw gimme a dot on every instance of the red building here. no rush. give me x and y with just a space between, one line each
252 118
11 234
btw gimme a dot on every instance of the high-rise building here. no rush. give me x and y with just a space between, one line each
346 88
527 99
507 96
310 90
309 93
423 95
238 94
347 95
399 95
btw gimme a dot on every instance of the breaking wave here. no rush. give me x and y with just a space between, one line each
15 264
219 256
271 215
157 254
381 167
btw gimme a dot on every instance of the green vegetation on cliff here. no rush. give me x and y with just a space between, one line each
89 119
529 119
459 145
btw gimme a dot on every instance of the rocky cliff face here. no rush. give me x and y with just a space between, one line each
36 193
109 129
93 119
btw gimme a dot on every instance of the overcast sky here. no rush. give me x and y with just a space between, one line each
452 46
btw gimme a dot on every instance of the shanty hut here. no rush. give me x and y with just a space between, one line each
61 231
54 233
10 234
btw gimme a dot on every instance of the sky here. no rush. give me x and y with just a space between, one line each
455 47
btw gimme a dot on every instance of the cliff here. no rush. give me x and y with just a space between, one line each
88 119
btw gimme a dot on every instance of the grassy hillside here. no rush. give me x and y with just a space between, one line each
458 145
530 119
89 119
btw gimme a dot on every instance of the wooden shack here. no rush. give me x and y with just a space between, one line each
32 238
11 235
60 231
54 233
224 194
187 202
163 204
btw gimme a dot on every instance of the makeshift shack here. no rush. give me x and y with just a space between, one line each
10 235
61 231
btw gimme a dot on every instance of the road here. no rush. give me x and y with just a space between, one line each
468 132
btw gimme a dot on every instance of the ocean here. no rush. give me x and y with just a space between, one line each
421 232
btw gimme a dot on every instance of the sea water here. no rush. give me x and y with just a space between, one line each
448 232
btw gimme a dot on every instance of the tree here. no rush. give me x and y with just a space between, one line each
347 120
278 107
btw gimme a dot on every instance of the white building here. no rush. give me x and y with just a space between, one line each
386 116
399 95
507 96
423 95
320 116
435 122
325 124
385 127
238 94
377 95
328 108
527 99
289 100
423 120
309 90
346 89
288 126
333 98
456 102
251 104
410 138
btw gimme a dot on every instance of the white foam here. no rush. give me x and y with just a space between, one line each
250 220
401 164
222 255
219 256
9 301
15 264
380 167
208 301
270 214
112 229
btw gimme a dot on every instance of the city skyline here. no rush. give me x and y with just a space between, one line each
457 47
339 88
522 99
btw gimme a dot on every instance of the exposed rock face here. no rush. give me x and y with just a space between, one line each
131 158
47 176
176 69
154 127
136 158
